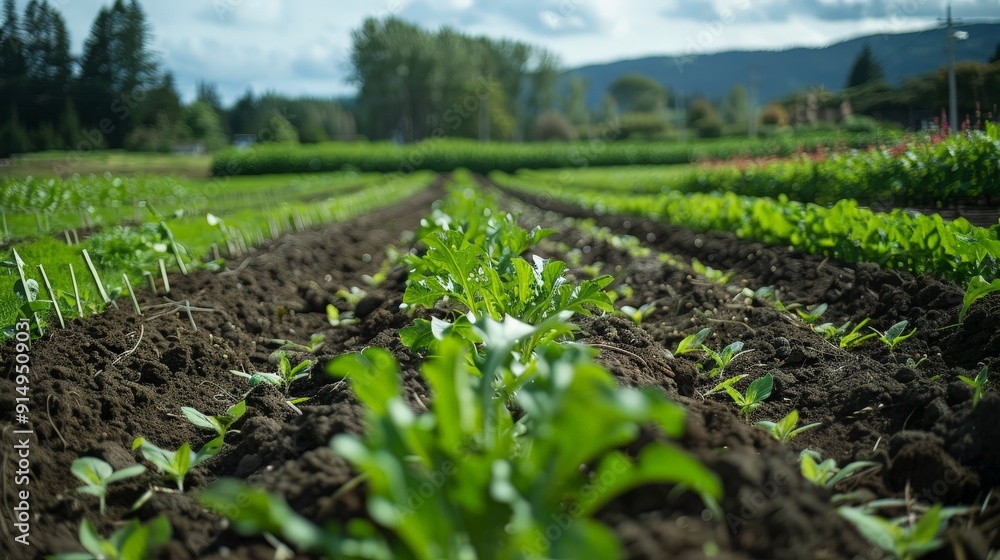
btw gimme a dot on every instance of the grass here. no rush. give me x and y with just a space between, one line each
118 162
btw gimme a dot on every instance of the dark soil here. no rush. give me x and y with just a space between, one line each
100 383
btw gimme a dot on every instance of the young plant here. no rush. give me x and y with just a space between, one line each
97 474
219 424
692 343
336 318
831 331
31 309
758 391
978 288
978 383
637 315
784 430
710 273
894 336
131 542
811 316
284 377
826 473
723 358
854 338
904 538
311 347
484 461
174 465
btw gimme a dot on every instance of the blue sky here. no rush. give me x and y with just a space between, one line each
302 46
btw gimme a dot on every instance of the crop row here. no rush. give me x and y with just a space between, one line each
898 239
446 155
961 168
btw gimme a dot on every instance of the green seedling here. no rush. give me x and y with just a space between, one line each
724 357
978 288
904 538
784 430
854 338
825 473
284 377
219 424
311 347
692 343
31 308
911 363
764 293
894 336
758 391
831 331
97 474
811 316
717 276
336 318
133 541
978 383
352 297
174 465
637 315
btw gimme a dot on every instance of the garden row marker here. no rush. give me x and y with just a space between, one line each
163 274
76 291
152 282
3 215
97 279
131 294
52 295
215 252
173 246
274 228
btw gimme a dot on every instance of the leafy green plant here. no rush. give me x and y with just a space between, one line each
758 391
284 377
97 474
903 538
894 335
855 338
174 465
638 315
692 343
497 478
713 275
31 309
219 424
134 541
826 473
336 318
784 430
978 288
978 383
811 316
313 346
767 293
832 332
723 357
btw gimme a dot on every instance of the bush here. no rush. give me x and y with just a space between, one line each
553 125
642 125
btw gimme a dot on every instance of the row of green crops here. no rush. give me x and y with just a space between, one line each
898 239
962 168
447 154
136 249
520 445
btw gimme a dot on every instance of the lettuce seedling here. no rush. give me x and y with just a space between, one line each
336 318
176 464
894 336
831 331
219 424
134 540
710 273
784 430
978 383
826 473
637 315
758 391
854 338
31 309
903 538
284 377
97 474
723 358
811 316
311 347
978 288
692 342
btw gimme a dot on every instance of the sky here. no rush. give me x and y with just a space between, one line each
302 47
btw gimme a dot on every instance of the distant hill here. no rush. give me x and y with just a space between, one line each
784 72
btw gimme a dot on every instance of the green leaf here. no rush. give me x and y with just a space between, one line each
873 528
91 470
90 540
928 527
760 389
28 292
978 287
260 512
201 420
692 342
127 472
374 376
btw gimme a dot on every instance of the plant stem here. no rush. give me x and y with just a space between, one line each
52 295
97 279
163 275
76 291
131 293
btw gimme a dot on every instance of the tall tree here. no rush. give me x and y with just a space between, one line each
996 55
735 107
575 104
12 65
866 69
638 93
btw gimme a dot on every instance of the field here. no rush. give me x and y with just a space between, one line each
564 363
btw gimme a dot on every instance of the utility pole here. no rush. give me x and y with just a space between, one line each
754 93
953 37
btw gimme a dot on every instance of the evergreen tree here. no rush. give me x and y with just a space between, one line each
12 66
996 55
866 69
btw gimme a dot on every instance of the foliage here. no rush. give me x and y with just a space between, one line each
758 391
826 473
903 538
97 474
284 377
854 338
813 315
894 335
978 383
638 315
978 288
553 125
866 68
723 357
175 465
784 430
133 541
219 424
692 342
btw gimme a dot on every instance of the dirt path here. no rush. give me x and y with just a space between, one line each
99 384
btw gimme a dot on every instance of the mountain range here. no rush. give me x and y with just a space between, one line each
781 73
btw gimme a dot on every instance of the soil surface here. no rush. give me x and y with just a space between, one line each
100 383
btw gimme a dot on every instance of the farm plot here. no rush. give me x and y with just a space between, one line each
324 293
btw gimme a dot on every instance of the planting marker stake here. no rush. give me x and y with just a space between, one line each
163 274
152 282
97 279
76 291
131 293
3 215
52 295
173 246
